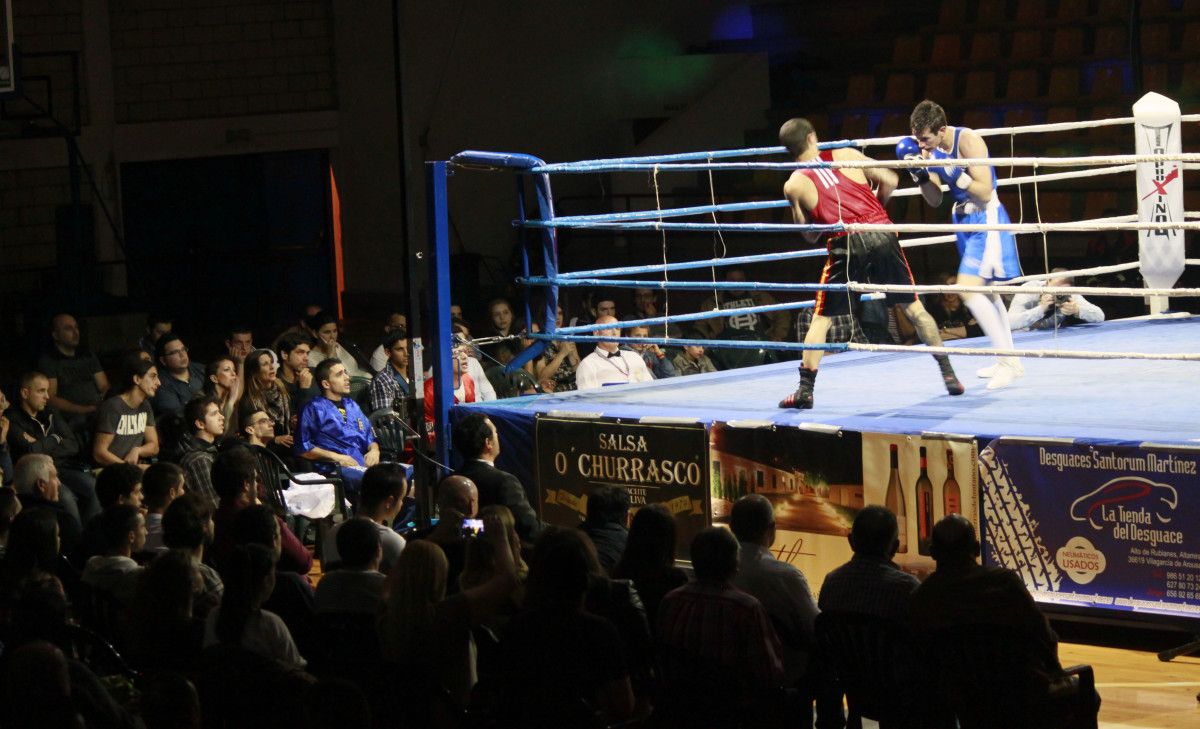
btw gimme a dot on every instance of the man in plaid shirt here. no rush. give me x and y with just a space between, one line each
391 388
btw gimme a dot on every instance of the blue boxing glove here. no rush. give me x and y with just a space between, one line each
955 176
907 148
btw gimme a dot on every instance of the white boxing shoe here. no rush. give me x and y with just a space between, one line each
1007 370
986 372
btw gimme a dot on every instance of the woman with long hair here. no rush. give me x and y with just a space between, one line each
223 381
430 633
249 578
649 557
559 361
125 430
265 392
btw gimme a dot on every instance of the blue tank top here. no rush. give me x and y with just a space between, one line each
956 192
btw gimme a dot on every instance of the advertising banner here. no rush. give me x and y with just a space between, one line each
818 482
1095 525
655 463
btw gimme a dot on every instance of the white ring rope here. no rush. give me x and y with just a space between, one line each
1039 353
1011 289
1049 177
1079 226
1096 271
1029 128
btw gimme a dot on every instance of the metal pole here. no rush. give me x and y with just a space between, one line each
439 304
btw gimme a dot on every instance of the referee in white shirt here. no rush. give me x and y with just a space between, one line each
608 364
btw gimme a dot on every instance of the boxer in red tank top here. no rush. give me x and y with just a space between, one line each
849 195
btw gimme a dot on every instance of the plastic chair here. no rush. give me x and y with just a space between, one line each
276 476
856 126
991 13
391 434
985 675
875 665
947 49
1072 10
1156 77
906 51
939 86
1191 38
1108 83
1022 85
985 47
1031 11
1112 41
1026 45
1068 44
860 89
952 13
901 88
979 118
1064 83
96 652
980 86
1114 9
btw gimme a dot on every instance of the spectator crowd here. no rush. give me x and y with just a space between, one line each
152 575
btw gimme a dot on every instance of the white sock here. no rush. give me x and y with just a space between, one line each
993 323
1006 326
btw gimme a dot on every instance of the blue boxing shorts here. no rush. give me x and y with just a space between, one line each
991 255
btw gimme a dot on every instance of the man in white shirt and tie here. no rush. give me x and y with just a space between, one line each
608 364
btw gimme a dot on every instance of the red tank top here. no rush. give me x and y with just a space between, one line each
842 200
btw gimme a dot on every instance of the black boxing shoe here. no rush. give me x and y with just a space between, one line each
949 379
802 398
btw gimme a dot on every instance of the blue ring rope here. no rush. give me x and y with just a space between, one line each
584 165
653 225
718 343
685 285
675 212
686 265
697 316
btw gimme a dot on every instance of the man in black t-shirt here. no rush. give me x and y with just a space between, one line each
77 381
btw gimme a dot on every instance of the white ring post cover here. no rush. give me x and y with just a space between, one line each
1160 193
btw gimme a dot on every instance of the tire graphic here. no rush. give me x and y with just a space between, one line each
1010 530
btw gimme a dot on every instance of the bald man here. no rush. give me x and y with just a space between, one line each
77 381
608 364
457 499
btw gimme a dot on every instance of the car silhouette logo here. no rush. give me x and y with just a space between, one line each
1163 498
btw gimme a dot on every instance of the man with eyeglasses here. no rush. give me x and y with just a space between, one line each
257 427
333 430
181 378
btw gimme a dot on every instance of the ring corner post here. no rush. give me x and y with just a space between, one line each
1157 130
439 339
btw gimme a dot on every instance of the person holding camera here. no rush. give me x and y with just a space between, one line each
1049 311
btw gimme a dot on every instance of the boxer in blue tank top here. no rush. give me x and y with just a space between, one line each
986 256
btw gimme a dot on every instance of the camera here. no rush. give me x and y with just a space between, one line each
1061 299
472 528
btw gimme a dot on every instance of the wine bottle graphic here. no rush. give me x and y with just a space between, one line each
951 494
924 496
894 500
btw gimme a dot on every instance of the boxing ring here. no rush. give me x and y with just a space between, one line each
1084 477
